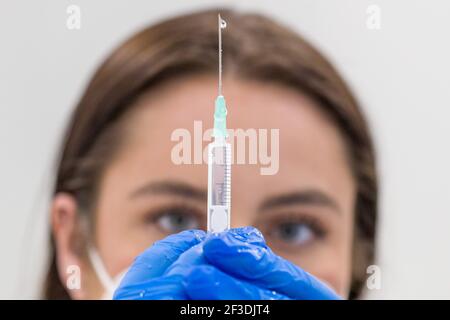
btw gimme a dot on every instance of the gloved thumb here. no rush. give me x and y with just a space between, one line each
240 254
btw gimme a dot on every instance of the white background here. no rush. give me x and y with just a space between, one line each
400 73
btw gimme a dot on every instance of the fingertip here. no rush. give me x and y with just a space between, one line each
249 235
156 258
196 234
183 240
242 241
191 257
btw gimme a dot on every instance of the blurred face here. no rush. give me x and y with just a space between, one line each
305 210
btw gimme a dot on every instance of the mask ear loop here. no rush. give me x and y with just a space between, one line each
100 270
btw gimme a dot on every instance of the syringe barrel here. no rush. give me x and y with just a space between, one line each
219 185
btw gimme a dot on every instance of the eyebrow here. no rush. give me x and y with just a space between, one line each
169 187
303 197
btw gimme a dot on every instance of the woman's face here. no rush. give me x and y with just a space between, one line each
305 210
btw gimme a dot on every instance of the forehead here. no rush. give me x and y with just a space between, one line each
311 150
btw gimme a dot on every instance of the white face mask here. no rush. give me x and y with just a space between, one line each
109 283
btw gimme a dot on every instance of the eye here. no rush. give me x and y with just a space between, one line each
176 219
296 232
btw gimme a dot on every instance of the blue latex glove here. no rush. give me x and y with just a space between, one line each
145 274
235 264
241 262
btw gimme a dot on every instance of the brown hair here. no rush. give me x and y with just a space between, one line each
255 48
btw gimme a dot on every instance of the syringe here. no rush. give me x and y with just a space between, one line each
219 160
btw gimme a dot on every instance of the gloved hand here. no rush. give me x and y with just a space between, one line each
242 266
144 279
236 264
